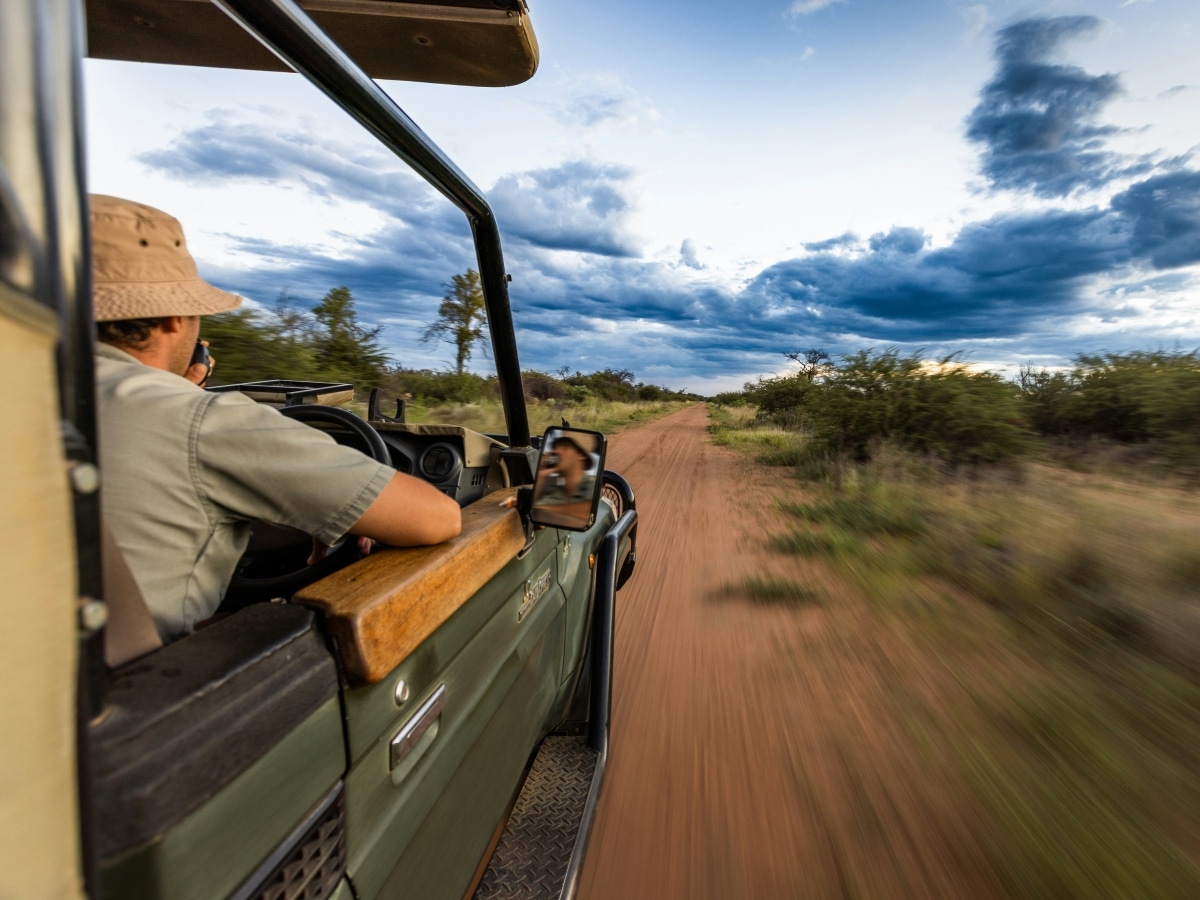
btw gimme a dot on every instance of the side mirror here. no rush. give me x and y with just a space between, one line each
566 491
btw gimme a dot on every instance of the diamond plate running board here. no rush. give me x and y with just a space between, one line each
541 850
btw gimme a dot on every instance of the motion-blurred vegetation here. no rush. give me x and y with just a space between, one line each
1141 406
329 343
1035 547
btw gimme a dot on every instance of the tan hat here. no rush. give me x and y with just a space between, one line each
141 268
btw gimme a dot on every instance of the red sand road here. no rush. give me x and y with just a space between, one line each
751 754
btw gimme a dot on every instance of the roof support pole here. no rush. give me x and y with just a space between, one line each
284 29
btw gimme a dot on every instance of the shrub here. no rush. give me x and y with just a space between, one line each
780 399
949 410
428 386
540 386
1136 397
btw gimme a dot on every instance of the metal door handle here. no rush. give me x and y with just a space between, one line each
414 729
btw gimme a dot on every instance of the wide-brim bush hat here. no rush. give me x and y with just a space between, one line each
590 459
141 267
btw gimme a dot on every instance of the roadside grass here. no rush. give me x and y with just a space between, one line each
1058 558
1073 718
1090 790
771 590
737 428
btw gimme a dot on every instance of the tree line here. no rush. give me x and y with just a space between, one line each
330 343
945 408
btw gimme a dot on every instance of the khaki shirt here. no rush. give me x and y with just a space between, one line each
186 470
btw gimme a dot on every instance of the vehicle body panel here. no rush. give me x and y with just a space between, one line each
214 850
41 854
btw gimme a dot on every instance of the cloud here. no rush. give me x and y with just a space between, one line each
976 18
1164 217
687 254
899 240
805 7
1038 120
842 240
1000 278
597 100
579 206
228 150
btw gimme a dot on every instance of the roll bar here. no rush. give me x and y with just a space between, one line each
284 29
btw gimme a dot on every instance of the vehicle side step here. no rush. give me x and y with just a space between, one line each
541 850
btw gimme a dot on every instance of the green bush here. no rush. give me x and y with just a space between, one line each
428 386
961 415
542 387
1136 397
780 399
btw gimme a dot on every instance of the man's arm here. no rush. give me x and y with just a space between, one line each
409 512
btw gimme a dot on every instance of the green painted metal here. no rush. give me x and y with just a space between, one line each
210 853
421 830
577 578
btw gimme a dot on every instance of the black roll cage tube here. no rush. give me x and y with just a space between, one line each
284 29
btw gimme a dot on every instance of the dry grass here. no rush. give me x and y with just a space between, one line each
1056 620
738 428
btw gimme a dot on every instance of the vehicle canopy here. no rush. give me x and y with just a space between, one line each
486 43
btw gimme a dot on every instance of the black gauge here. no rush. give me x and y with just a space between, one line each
441 463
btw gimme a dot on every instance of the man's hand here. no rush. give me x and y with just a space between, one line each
198 374
319 550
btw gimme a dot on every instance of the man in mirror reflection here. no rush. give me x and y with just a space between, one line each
568 472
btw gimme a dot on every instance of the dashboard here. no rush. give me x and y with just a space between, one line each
457 461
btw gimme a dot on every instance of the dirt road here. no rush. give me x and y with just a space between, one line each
750 755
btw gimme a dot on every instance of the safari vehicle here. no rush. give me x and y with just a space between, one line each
421 723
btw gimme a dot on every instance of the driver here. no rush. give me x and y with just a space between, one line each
186 470
567 474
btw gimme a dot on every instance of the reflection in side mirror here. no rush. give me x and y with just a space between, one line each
569 479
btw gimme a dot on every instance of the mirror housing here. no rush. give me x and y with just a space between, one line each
569 479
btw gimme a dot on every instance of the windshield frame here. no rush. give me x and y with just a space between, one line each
284 29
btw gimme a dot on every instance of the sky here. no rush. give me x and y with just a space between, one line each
689 191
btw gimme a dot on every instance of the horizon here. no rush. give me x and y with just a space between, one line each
692 199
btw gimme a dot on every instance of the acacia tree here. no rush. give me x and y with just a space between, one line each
462 317
814 363
345 348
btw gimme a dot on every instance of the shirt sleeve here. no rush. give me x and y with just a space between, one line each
253 463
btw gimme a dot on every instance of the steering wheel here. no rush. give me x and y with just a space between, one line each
275 563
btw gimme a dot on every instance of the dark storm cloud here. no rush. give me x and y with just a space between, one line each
1015 274
994 279
899 240
1037 119
1164 212
833 243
